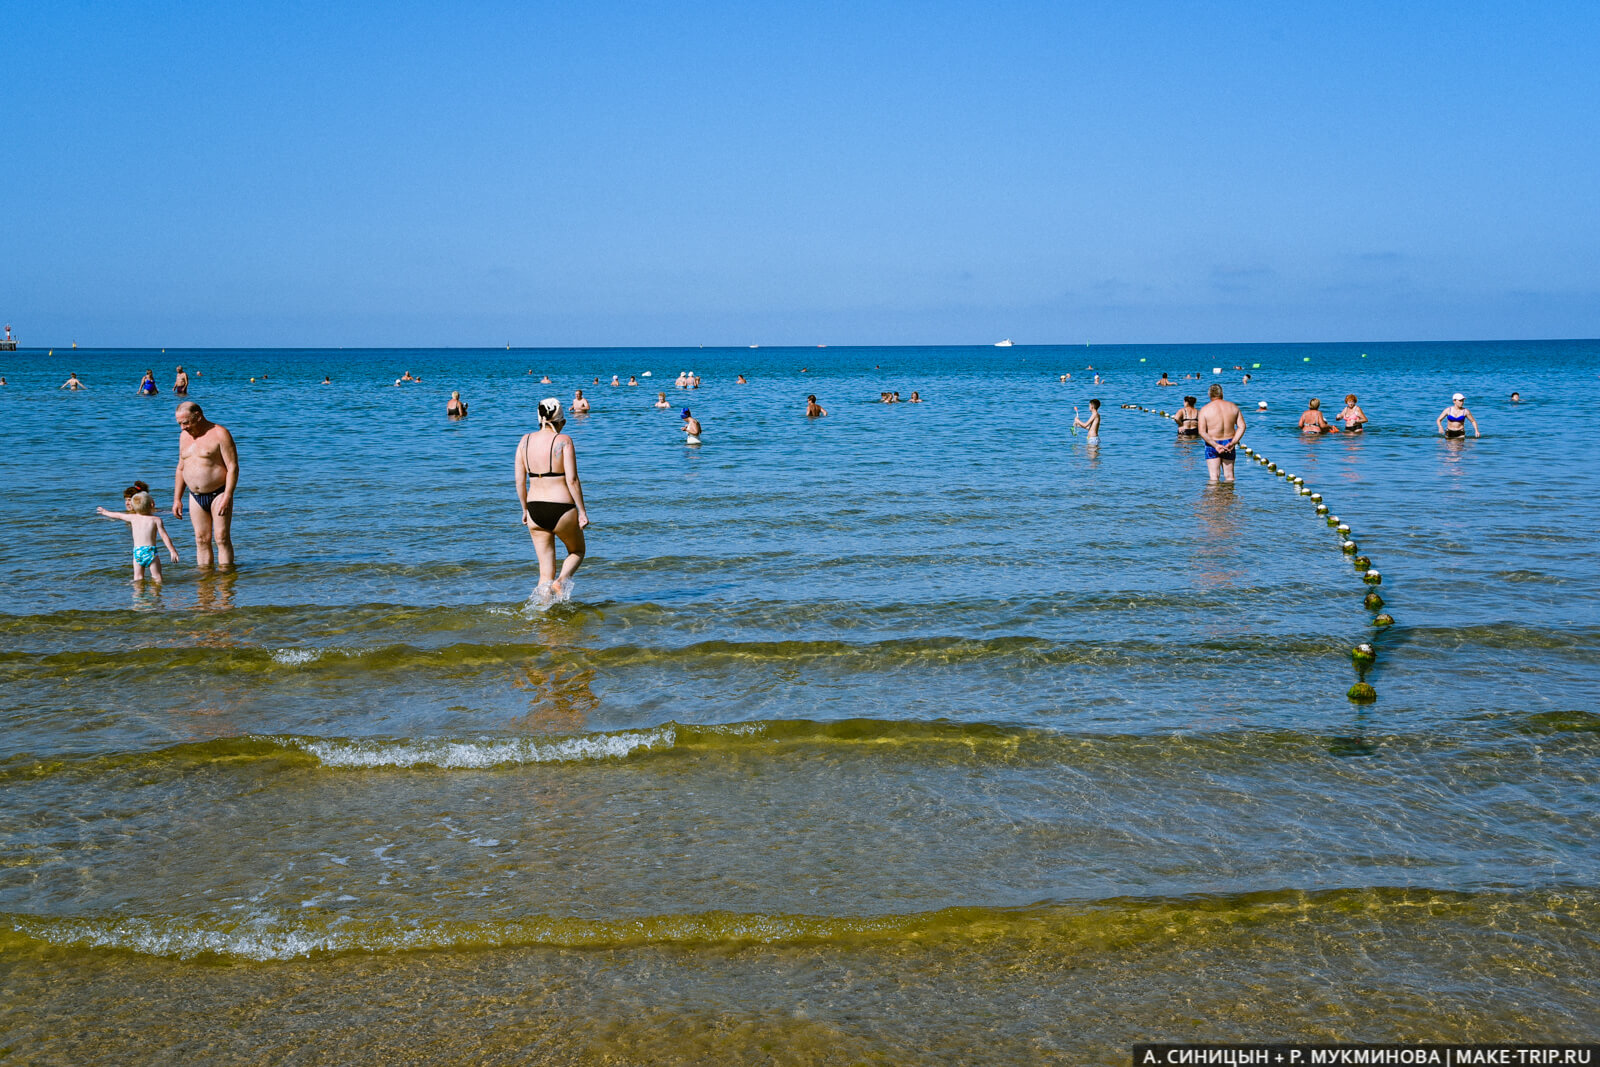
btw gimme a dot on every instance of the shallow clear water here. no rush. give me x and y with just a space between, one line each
916 733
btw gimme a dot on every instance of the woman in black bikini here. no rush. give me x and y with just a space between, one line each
551 498
1188 419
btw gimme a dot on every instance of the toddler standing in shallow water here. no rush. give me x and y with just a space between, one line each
146 528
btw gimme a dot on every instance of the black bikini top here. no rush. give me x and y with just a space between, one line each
552 472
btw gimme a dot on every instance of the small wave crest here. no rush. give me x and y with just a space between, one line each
487 752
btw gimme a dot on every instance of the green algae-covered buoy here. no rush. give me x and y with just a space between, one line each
1316 498
1383 620
1373 601
1333 520
1362 693
1348 547
1363 562
1372 578
1322 509
1364 655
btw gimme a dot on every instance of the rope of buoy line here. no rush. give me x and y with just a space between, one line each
1363 656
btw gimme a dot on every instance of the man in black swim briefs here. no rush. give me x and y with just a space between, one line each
208 467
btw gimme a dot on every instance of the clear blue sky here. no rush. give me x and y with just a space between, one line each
220 174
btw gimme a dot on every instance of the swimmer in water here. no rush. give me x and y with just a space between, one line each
1092 425
147 384
615 381
457 408
814 410
1164 380
741 381
580 405
1221 428
916 397
1457 416
543 381
691 428
1311 420
661 401
1516 398
1246 380
326 380
180 384
633 379
1188 419
1354 419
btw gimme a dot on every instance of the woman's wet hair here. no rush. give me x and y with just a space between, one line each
1189 400
134 489
1315 404
141 504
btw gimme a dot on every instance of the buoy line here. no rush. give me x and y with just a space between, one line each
1364 655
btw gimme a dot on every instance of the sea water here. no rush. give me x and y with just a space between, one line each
917 733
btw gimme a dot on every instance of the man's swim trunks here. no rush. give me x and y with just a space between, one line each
203 500
1226 451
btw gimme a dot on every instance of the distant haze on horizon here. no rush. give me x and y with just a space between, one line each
595 175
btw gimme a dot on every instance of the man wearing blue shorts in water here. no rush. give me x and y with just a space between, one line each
1221 428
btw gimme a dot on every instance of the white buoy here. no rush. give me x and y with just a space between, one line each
1372 578
1349 547
1322 509
1304 491
1316 498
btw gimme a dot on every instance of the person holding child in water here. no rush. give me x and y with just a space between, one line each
208 468
551 498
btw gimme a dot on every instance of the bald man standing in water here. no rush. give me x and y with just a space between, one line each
208 467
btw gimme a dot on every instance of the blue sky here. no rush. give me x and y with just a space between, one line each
626 174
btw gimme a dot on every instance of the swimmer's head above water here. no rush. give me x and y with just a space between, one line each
550 413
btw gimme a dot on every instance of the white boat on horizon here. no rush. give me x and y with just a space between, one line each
1007 343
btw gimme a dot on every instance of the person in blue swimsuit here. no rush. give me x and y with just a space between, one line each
1452 421
1221 428
147 384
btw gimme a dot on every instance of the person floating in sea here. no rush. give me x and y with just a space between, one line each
1245 380
661 401
814 410
146 527
73 382
1261 405
1188 419
1312 421
1091 425
615 380
1457 416
580 404
1516 398
456 408
1221 428
916 397
691 428
546 379
1164 380
208 468
551 499
326 380
633 379
682 381
1354 419
741 381
180 384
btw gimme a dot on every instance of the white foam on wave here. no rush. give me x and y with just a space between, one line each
452 755
294 657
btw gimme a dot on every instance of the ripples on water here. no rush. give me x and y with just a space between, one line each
913 733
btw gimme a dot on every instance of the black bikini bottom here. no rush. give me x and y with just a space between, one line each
546 513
